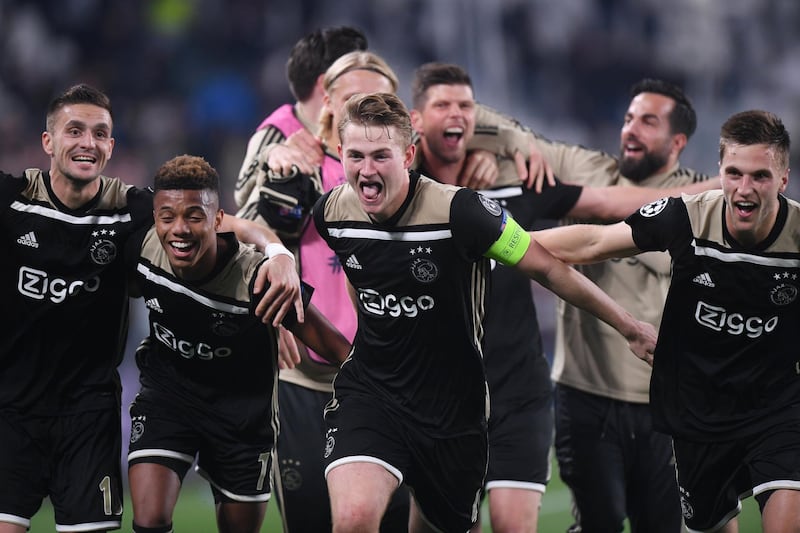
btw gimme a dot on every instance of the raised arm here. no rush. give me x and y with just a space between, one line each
506 137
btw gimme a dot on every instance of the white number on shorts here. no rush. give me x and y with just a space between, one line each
263 458
105 488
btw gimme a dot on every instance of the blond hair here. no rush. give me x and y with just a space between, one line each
378 109
359 60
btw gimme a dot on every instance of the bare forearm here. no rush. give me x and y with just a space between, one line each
571 244
575 288
570 285
587 243
321 336
249 232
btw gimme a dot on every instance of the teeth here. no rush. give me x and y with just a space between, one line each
180 245
84 158
454 131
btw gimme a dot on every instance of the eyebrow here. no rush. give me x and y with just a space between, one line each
753 172
76 122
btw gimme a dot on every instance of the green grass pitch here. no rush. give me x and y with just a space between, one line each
195 511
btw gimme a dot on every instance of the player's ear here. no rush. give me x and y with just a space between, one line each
411 151
416 120
784 181
47 143
679 141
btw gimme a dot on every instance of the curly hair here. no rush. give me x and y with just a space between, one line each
186 172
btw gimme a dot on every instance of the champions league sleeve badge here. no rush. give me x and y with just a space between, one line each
653 208
490 205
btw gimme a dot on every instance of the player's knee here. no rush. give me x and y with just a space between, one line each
514 520
155 529
355 516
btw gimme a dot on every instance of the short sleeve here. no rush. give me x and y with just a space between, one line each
476 222
140 205
10 187
554 202
660 225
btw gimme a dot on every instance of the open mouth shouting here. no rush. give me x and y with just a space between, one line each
370 191
744 209
632 148
453 135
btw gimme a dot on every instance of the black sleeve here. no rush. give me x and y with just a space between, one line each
318 212
10 187
660 225
306 291
132 252
140 205
476 222
553 202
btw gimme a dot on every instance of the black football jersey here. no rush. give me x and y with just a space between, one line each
516 368
421 281
64 293
206 346
726 362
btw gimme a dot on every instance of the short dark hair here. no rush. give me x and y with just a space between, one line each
435 73
756 127
378 109
313 54
683 118
186 172
77 94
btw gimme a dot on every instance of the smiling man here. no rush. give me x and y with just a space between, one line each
521 426
615 465
410 404
64 319
725 382
209 366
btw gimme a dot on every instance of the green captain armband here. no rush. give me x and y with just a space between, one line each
511 245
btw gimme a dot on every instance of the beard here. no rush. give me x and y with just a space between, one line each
640 169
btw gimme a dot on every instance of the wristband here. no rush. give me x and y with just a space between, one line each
276 248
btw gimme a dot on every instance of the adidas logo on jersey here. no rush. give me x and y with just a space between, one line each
29 239
704 279
153 304
353 263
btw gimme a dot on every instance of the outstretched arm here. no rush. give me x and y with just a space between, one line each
587 243
566 282
617 202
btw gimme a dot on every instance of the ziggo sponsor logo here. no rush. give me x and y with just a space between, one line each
38 284
719 319
189 349
378 304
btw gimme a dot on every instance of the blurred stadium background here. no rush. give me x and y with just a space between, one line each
197 76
